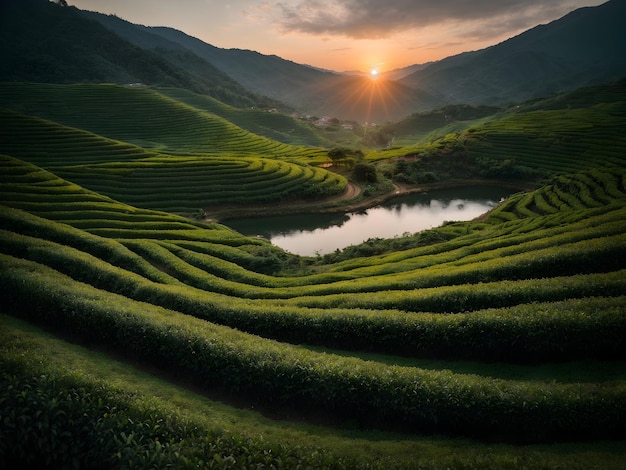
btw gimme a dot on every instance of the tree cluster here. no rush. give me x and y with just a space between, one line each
346 157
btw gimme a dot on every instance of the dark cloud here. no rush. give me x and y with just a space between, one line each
383 18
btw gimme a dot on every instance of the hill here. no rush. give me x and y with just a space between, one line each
533 141
146 339
42 42
585 47
274 125
440 121
542 61
530 290
145 148
159 117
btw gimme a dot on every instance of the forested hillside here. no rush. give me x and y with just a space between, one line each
585 47
42 42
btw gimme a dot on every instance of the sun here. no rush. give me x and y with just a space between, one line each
374 73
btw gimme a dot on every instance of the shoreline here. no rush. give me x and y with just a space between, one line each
329 206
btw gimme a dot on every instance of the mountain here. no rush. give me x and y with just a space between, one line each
308 89
44 42
585 47
361 99
397 74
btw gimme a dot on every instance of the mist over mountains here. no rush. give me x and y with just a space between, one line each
43 42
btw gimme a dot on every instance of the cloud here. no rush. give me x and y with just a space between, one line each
375 19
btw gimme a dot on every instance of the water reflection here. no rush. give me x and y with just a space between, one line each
324 233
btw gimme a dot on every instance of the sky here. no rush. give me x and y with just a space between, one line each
345 35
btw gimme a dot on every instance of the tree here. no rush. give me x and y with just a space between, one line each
366 172
343 156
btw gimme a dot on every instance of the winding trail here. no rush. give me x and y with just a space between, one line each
334 204
330 205
352 191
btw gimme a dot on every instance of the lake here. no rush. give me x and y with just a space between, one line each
313 234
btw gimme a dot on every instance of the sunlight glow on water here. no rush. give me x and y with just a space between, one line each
377 223
408 214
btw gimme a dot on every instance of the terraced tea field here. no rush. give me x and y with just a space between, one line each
563 134
216 163
144 117
151 339
269 124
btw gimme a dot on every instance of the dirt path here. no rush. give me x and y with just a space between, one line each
351 192
331 205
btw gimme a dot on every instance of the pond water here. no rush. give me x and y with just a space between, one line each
313 234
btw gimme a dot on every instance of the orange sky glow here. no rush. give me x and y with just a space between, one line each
345 35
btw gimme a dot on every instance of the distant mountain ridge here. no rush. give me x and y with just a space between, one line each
44 42
305 88
585 47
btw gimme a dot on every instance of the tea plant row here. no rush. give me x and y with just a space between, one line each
393 397
142 116
145 179
205 278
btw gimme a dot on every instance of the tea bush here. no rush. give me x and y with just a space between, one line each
373 394
538 282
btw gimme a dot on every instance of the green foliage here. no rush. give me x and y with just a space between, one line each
284 374
60 45
415 172
539 280
145 179
365 172
200 428
54 420
342 156
378 136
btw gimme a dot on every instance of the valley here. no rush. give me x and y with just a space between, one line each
537 281
139 330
